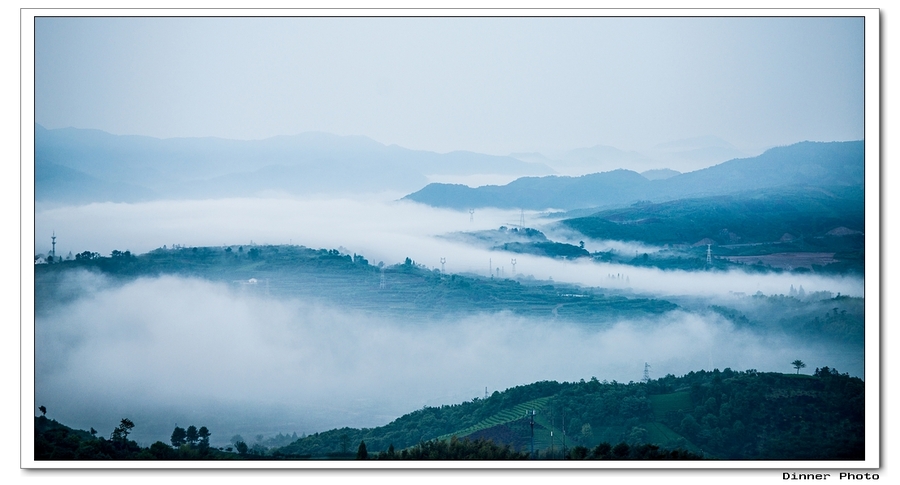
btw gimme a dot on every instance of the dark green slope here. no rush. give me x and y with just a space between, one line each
723 415
349 281
760 216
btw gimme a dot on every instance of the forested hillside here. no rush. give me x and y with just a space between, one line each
349 279
723 415
720 415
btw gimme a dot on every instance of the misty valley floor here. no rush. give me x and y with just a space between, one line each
225 328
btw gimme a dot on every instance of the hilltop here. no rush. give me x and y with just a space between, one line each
802 164
725 414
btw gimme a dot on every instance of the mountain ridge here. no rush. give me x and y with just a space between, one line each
804 163
195 167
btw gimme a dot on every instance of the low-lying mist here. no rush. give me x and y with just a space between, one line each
171 350
381 229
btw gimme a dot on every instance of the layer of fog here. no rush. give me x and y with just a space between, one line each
382 229
167 351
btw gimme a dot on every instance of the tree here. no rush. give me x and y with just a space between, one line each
241 447
798 364
43 410
361 453
203 436
120 434
125 427
178 437
191 435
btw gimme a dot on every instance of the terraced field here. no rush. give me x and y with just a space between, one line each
514 413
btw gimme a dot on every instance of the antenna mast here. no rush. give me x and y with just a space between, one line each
53 251
709 254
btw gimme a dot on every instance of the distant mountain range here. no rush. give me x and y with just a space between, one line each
77 166
685 154
808 164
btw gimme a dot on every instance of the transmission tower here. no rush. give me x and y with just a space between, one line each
443 260
382 285
471 215
513 261
53 251
709 254
646 372
522 220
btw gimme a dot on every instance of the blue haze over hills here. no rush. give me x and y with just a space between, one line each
801 164
82 166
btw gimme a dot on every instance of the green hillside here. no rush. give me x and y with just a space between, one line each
720 414
406 289
725 414
750 217
800 229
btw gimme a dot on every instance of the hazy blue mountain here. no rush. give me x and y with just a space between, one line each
592 190
696 152
599 158
806 163
99 166
660 174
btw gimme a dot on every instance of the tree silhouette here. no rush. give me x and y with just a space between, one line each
43 410
125 427
178 437
120 434
241 447
361 453
191 435
798 364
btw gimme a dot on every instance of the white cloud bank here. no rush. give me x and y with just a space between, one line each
172 350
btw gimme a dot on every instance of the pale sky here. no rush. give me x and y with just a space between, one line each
492 85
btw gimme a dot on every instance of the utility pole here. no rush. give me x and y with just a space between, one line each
532 433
